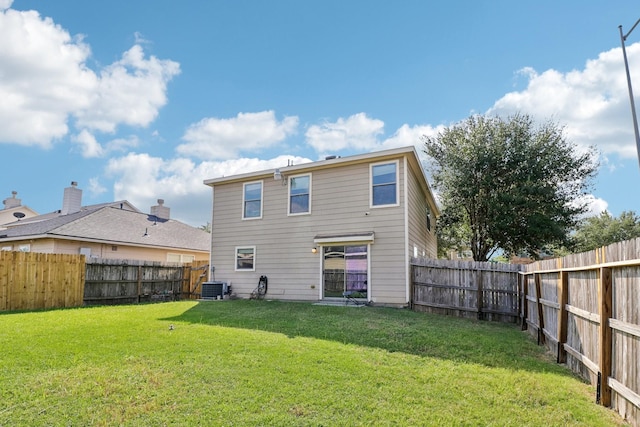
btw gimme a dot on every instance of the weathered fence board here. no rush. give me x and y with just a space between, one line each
486 291
585 308
195 275
595 313
31 281
110 281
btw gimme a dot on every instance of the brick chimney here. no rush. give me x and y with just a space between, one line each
72 200
160 211
12 202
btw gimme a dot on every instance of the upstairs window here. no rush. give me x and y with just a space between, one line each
384 184
252 200
300 194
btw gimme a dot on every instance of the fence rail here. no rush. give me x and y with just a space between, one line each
488 291
585 308
30 281
110 281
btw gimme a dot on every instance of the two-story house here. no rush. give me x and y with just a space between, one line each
317 230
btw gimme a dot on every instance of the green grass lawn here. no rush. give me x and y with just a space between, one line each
263 363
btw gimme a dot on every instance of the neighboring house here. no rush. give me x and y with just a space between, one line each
320 229
14 210
115 230
460 255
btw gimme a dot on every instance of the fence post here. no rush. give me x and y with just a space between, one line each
480 293
541 338
604 339
139 282
563 315
525 303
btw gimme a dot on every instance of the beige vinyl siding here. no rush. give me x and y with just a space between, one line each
277 238
105 250
419 235
101 250
340 205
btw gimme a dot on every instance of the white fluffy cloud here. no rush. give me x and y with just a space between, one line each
593 102
129 91
89 146
411 135
357 132
44 78
596 205
216 138
46 82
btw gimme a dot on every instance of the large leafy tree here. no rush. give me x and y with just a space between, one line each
507 183
602 230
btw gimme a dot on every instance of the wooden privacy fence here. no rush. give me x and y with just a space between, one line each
30 281
195 275
113 281
586 309
488 291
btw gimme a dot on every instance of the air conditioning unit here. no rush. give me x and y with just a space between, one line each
212 290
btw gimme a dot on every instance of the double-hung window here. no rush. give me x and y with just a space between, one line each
384 184
245 258
300 195
252 200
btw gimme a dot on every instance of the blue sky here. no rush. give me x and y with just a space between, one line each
141 100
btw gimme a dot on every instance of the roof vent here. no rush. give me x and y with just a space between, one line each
330 157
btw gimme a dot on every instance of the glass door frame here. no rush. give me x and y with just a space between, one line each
322 250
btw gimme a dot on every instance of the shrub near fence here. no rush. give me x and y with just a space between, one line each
30 281
485 290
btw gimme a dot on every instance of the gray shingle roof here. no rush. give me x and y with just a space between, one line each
113 225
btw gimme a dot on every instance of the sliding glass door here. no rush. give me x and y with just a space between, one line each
345 270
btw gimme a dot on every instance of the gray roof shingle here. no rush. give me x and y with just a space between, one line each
110 224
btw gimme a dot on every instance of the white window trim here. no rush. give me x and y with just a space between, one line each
235 258
244 188
397 202
289 195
